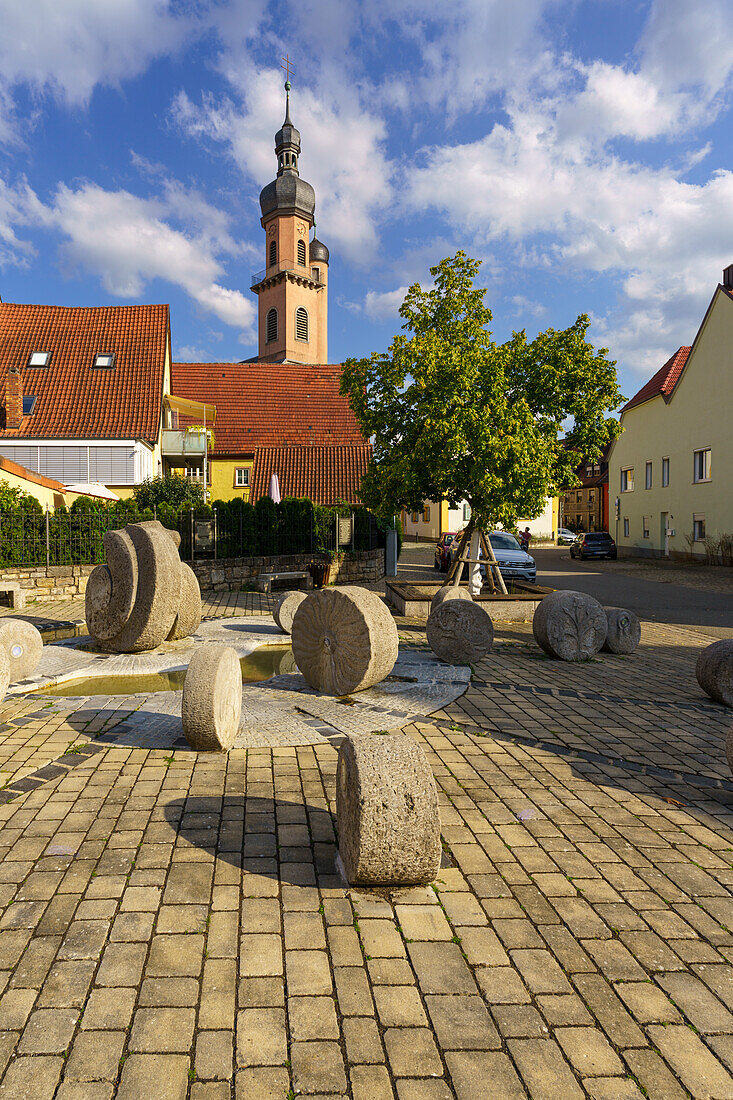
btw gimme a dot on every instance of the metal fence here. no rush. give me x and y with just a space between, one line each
292 527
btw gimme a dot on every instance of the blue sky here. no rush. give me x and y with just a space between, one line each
580 148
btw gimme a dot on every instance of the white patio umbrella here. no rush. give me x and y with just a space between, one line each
91 489
274 491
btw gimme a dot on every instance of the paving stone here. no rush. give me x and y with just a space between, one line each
540 972
262 1084
472 1071
520 1021
95 1055
15 1008
544 1071
31 1079
412 1089
213 1055
370 1083
441 968
501 985
317 1067
420 922
164 1030
411 1052
164 1076
690 1059
363 1044
48 1031
261 1037
588 1051
462 1023
312 1018
399 1006
697 1002
648 1003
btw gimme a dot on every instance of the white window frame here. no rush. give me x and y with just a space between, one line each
665 472
706 463
43 358
241 477
627 470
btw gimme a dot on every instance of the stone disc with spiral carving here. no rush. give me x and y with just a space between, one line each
570 625
460 632
624 631
23 647
344 639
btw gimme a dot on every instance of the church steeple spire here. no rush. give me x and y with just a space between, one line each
287 141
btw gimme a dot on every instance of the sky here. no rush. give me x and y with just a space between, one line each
579 148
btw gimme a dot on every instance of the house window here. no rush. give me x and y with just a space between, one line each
301 253
648 476
271 325
665 472
104 359
579 522
645 526
415 517
698 526
702 465
301 324
589 471
466 512
426 514
39 359
29 404
591 496
627 480
579 497
626 528
241 477
596 469
316 274
273 253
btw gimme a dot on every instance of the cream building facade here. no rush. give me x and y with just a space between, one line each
670 469
435 518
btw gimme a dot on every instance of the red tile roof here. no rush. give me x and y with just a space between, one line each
75 399
270 404
324 474
662 384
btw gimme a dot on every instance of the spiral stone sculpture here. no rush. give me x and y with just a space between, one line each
714 671
387 811
23 646
570 625
145 594
449 592
344 640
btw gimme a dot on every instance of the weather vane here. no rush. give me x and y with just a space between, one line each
288 67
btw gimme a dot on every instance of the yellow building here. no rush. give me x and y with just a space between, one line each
429 523
669 470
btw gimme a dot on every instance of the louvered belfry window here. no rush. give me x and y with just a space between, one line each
301 324
271 325
301 252
273 253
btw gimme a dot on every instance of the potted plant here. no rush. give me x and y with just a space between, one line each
320 568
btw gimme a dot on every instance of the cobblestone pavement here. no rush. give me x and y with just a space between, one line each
173 925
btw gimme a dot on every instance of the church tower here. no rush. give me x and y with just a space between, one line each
293 288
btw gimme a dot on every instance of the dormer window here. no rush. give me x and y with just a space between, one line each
39 359
29 404
105 359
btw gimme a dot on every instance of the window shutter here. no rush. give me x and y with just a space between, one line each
271 325
273 253
301 324
301 252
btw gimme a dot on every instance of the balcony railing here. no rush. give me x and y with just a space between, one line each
183 443
294 269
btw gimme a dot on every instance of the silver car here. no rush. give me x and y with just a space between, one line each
514 563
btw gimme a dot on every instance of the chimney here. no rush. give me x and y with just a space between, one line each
13 399
728 276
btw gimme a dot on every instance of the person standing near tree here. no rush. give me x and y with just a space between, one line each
525 539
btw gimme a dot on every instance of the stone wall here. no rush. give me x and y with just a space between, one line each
57 582
230 574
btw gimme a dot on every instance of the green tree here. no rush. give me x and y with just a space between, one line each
456 415
172 489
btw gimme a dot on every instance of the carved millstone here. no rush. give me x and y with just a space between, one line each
4 673
460 632
23 646
729 748
285 609
714 671
570 625
624 631
212 698
449 592
387 811
188 619
344 639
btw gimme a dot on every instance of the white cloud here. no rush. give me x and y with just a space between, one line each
128 242
378 305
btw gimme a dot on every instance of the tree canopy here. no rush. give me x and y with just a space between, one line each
455 415
179 492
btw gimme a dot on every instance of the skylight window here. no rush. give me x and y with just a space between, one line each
39 359
104 359
29 404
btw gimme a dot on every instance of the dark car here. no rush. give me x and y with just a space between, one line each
594 544
443 550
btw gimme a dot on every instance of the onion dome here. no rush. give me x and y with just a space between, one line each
317 252
288 192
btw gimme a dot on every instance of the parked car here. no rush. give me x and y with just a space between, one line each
594 544
443 547
565 537
514 563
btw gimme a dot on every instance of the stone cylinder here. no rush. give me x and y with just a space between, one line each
344 640
460 632
714 671
285 609
23 647
624 630
387 811
188 619
449 592
729 748
570 625
212 698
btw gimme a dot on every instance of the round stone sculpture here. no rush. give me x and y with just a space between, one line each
212 698
449 592
570 625
387 811
624 631
714 671
460 632
133 601
4 673
344 639
23 646
188 619
729 748
285 609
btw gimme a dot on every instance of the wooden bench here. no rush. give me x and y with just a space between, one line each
15 594
303 579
